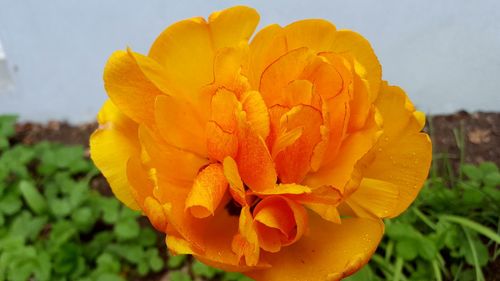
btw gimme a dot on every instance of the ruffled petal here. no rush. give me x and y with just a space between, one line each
246 242
279 219
255 164
366 64
175 165
267 45
208 190
232 26
328 252
179 125
274 80
129 89
315 34
111 145
185 51
402 155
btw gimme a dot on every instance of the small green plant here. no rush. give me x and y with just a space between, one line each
53 226
446 233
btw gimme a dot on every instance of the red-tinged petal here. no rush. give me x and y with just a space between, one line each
294 161
220 143
298 92
111 145
255 164
208 190
179 125
274 80
328 252
267 46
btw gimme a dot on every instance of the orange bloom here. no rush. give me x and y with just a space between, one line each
277 157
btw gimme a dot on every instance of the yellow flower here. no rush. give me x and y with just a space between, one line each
276 157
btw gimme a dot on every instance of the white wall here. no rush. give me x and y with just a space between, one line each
445 53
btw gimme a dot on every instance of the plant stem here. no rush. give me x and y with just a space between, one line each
424 218
464 222
479 272
398 269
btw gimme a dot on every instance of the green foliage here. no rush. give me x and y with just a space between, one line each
446 233
53 226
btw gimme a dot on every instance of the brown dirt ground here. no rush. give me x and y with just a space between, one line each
478 133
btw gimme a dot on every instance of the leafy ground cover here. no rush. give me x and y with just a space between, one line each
56 223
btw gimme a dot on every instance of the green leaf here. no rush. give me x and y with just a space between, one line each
174 262
179 276
492 179
156 263
473 226
133 253
426 249
488 167
202 270
472 196
108 263
148 237
84 218
472 172
407 248
10 203
33 198
60 207
127 228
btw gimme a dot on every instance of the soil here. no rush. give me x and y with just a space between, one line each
467 137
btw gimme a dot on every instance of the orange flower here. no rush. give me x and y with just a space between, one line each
276 157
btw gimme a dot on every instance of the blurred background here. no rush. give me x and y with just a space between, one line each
445 54
60 221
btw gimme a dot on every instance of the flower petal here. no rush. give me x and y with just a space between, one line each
402 155
315 34
175 165
111 145
294 161
185 51
233 177
376 197
274 80
256 112
129 89
338 172
366 63
246 242
231 26
208 189
282 214
255 164
179 126
328 252
267 45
